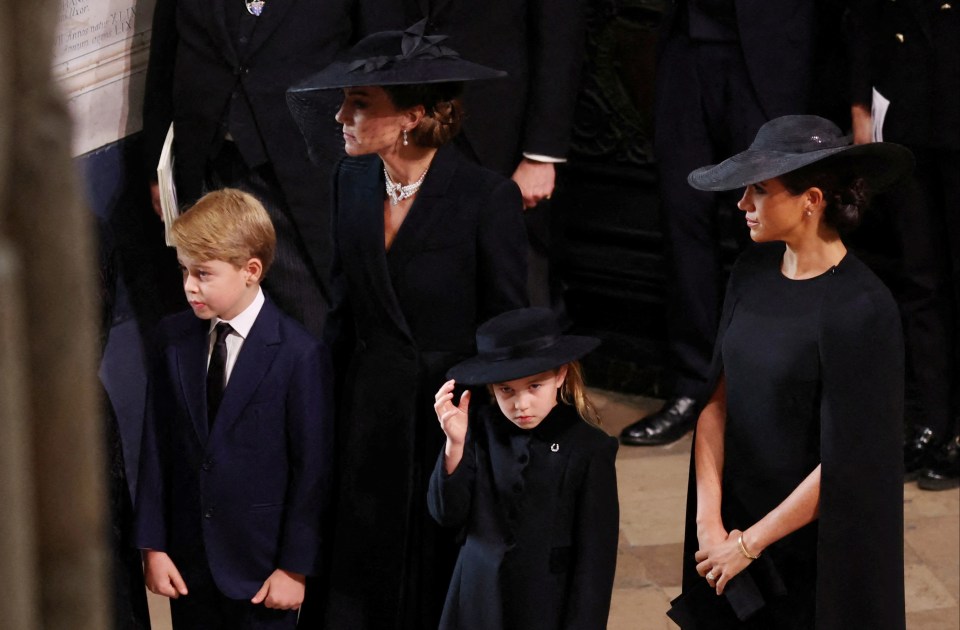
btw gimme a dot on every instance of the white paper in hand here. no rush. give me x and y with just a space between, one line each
168 189
878 111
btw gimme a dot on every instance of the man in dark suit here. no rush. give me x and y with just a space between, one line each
219 70
519 126
725 67
909 53
236 456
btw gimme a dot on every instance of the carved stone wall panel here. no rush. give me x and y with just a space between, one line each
100 61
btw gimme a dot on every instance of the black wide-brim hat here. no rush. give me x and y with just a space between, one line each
520 343
407 57
396 58
790 142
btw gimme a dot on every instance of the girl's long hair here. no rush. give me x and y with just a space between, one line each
574 392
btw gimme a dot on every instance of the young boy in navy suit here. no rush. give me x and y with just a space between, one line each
236 450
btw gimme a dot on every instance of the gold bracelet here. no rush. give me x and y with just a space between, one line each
744 551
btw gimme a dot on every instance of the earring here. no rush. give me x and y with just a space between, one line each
405 140
808 212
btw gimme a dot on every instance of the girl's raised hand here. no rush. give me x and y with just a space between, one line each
453 418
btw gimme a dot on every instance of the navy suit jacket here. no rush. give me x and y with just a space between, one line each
248 495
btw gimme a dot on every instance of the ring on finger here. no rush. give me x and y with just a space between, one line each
710 576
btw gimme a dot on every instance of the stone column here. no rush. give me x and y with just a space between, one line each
52 525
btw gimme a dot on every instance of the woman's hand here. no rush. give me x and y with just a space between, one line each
708 536
721 561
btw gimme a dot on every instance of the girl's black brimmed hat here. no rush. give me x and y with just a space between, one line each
790 142
520 343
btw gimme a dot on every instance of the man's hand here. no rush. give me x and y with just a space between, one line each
161 575
862 122
536 181
155 198
283 590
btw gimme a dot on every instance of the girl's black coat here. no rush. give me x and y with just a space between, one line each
400 320
540 512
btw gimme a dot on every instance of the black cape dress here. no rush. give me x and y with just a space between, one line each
814 375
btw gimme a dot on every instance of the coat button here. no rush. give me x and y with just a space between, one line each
207 464
208 513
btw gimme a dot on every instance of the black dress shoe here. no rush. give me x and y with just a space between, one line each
671 423
943 473
918 452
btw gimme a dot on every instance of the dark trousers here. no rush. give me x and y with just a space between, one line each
291 281
705 110
206 608
926 216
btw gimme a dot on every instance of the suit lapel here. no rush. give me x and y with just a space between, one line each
921 14
192 350
431 205
273 14
362 210
219 31
254 361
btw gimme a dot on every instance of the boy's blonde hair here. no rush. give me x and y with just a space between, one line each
574 392
228 225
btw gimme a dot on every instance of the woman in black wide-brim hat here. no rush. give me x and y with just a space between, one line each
795 503
427 246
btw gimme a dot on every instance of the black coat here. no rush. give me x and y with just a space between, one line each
401 319
540 511
910 51
838 403
539 43
195 69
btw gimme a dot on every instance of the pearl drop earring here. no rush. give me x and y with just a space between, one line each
405 140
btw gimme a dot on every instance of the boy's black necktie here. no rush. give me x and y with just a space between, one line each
216 372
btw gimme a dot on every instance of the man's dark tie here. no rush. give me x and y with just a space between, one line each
216 372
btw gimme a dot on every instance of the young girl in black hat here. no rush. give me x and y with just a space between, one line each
530 481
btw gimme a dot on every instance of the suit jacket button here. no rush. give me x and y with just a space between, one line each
522 459
207 464
517 488
208 513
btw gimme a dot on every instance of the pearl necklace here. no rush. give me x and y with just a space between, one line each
398 192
